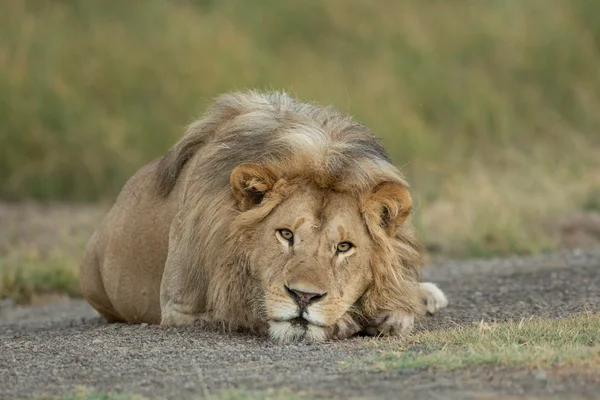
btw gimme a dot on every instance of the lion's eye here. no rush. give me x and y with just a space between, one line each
344 247
286 234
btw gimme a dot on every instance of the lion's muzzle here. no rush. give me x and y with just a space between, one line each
299 320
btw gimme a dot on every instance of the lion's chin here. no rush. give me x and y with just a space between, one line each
286 332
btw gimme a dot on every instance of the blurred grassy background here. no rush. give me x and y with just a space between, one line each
492 108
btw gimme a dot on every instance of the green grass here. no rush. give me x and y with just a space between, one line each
592 202
272 394
41 248
491 107
542 343
30 278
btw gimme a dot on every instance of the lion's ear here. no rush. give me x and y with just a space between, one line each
388 205
250 183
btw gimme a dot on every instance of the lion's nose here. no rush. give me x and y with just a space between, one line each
303 299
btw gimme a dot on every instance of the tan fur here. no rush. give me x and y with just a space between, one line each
196 234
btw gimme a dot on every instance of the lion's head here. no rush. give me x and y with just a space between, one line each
293 218
312 248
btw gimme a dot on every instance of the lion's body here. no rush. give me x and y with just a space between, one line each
124 262
197 234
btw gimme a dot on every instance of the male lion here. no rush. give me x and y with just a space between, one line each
268 215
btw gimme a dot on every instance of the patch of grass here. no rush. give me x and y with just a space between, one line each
490 107
592 200
488 212
30 278
272 394
572 341
41 248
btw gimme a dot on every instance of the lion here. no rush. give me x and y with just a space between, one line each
271 216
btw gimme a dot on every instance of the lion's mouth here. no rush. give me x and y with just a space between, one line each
299 321
291 324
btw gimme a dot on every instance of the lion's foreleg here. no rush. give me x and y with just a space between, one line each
399 322
177 306
181 292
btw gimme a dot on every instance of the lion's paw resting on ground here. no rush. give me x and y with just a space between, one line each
399 323
269 215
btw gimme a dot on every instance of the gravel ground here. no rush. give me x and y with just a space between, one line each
52 348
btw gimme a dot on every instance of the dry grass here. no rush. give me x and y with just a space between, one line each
27 280
490 108
539 343
41 248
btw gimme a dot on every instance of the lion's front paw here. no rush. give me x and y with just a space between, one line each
433 298
344 328
395 324
172 317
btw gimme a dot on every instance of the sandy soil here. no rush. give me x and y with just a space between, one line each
51 348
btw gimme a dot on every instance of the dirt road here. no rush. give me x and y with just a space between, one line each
52 348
